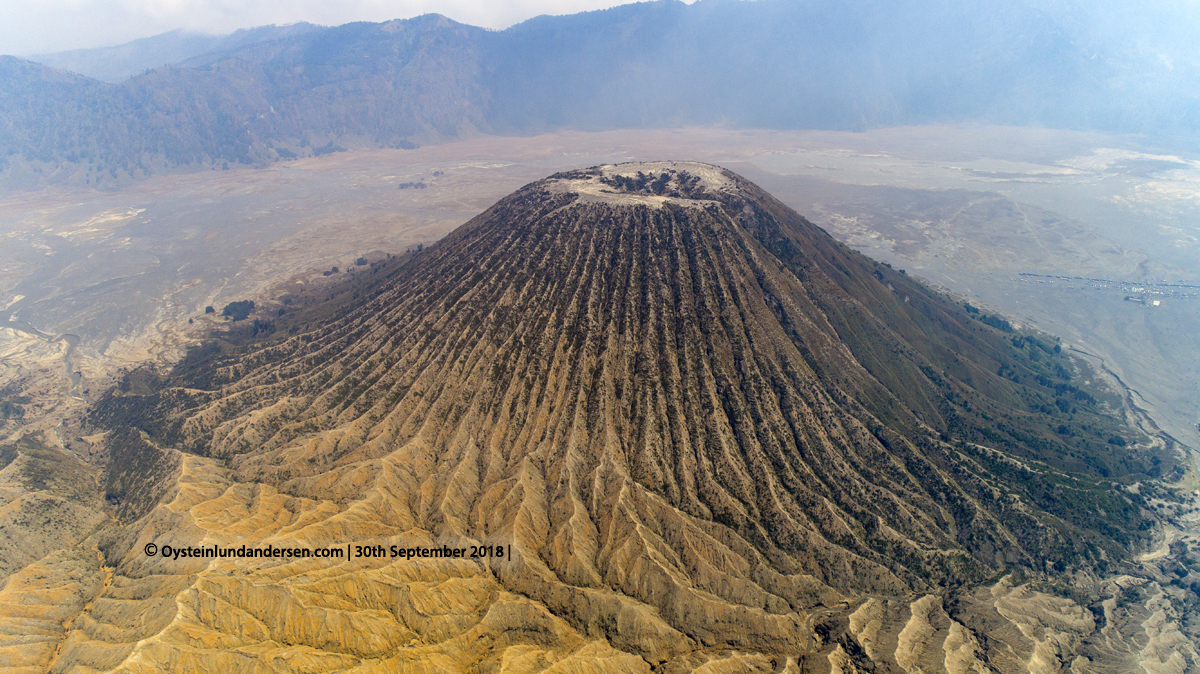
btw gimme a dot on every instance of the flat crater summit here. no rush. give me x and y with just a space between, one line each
649 183
699 426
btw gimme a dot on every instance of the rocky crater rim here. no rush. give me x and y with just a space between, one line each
653 184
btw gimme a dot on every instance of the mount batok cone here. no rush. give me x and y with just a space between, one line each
702 432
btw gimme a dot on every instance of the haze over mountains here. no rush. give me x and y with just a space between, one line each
119 63
261 95
709 436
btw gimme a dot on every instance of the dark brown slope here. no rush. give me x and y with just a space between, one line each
662 384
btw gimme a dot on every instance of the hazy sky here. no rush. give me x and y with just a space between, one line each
41 26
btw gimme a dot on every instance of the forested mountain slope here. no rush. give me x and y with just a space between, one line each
766 64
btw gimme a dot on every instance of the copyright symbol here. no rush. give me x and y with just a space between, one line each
151 549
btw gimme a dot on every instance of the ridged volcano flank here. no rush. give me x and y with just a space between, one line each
668 390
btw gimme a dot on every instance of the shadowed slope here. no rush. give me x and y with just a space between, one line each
693 414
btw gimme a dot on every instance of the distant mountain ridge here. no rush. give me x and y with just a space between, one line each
766 64
120 62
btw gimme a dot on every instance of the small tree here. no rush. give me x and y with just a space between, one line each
239 310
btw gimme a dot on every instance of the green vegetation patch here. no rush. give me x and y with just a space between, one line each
238 311
138 473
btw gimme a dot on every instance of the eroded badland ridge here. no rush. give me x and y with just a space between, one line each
710 437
